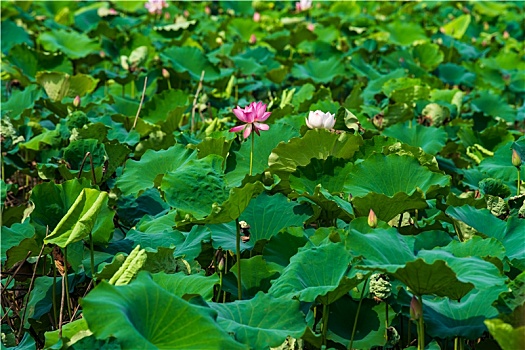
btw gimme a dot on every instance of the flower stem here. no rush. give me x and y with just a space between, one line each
238 248
92 254
357 315
421 328
325 324
519 183
251 153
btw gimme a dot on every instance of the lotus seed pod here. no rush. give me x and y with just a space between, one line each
516 159
380 286
415 309
372 219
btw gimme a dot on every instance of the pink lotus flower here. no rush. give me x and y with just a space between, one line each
252 115
303 5
155 6
253 39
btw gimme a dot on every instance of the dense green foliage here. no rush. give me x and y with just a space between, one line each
119 173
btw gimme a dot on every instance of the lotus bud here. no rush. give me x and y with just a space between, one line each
256 17
253 39
372 219
416 310
76 103
320 120
221 264
310 27
167 16
516 159
165 73
186 13
207 10
506 35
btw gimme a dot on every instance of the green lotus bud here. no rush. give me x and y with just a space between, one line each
221 264
416 310
516 159
372 219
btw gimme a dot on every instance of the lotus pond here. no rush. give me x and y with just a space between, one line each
255 175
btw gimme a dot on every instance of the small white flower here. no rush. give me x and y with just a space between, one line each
320 120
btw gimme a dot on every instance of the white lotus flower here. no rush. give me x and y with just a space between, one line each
320 120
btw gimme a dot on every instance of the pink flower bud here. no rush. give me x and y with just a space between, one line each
516 159
310 27
165 73
256 17
253 39
372 219
416 310
506 35
207 10
76 102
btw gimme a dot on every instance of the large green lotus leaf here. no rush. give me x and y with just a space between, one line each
154 240
477 246
428 55
509 337
320 71
74 45
17 35
449 318
238 162
142 174
454 74
487 275
267 215
430 139
237 202
80 219
404 34
317 143
52 203
131 209
263 321
457 27
196 185
71 333
432 278
382 248
370 329
385 207
191 60
21 101
224 236
500 167
168 105
181 284
59 85
391 174
510 233
12 236
255 277
329 207
284 245
75 152
19 252
144 315
331 173
191 247
513 297
314 272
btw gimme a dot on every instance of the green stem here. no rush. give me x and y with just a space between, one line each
421 328
238 248
519 182
386 321
325 324
92 255
133 89
357 316
251 153
220 287
55 314
66 282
